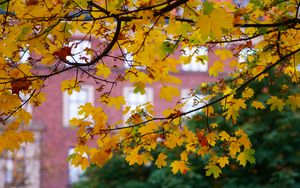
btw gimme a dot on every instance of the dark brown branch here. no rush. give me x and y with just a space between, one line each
293 21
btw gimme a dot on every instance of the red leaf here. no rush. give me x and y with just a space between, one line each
63 52
20 85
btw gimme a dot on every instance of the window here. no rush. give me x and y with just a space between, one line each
72 102
135 99
78 51
15 168
241 3
198 59
74 172
191 101
244 53
24 55
129 61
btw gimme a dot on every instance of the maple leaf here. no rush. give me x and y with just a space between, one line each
217 67
168 93
246 155
26 136
184 156
224 136
161 160
70 85
224 53
179 166
20 85
213 170
234 148
63 52
103 70
223 161
294 101
248 93
214 24
275 103
116 101
258 105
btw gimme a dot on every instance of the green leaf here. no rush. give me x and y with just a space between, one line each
213 170
246 155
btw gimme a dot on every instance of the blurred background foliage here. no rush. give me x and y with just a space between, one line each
275 137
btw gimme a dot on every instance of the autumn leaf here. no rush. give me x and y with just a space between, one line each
26 136
248 93
69 86
274 102
179 166
234 148
224 136
258 105
216 68
116 102
246 156
20 85
213 170
214 24
223 161
161 160
168 93
103 70
63 52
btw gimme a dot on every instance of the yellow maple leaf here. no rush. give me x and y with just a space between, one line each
224 136
179 166
214 24
248 93
184 156
70 85
8 102
234 148
172 141
294 101
211 138
103 70
258 105
224 53
216 68
213 125
223 161
117 102
10 140
275 103
168 93
161 160
26 136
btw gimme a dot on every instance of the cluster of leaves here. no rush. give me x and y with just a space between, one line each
45 29
274 135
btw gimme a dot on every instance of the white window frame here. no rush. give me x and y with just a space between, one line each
129 94
195 66
67 99
189 102
78 50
